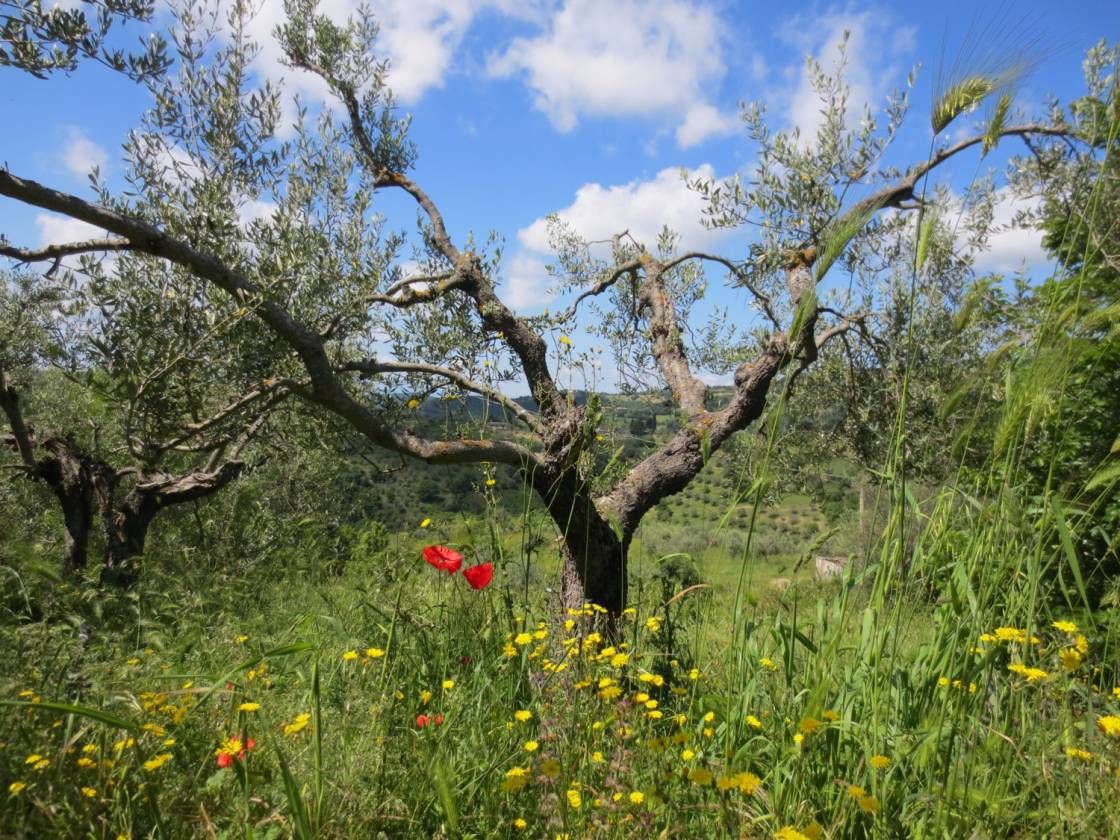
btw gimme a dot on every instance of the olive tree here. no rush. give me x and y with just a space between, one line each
366 332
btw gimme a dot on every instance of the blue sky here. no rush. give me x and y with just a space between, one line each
582 107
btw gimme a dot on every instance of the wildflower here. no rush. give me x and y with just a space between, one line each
754 722
855 791
34 758
1029 674
523 715
694 674
597 757
522 639
880 761
809 725
297 725
550 767
242 639
688 755
788 832
350 655
637 797
374 653
520 824
574 799
567 342
249 707
1065 626
1082 644
479 577
767 662
1109 725
490 482
443 558
86 763
425 523
1074 752
156 762
425 697
15 788
709 717
531 746
231 748
1070 659
516 778
830 716
89 792
448 685
653 624
619 659
413 404
798 738
869 804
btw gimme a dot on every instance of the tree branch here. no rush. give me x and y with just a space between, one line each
372 367
325 389
9 401
68 249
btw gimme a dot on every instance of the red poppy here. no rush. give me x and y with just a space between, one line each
225 759
422 721
438 720
479 576
443 558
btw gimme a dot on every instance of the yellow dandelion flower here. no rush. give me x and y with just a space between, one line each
522 639
788 832
523 715
520 824
767 662
86 763
1109 725
1074 752
567 342
448 685
880 761
1065 626
830 716
637 797
249 707
413 404
425 522
89 792
1070 659
15 788
869 804
575 801
809 725
350 655
753 722
242 639
855 791
550 767
156 762
531 746
688 755
374 653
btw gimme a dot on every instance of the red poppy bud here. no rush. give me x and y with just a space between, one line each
438 720
250 743
443 558
479 576
225 759
422 721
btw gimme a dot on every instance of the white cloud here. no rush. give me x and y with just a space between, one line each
871 68
526 284
81 154
702 121
55 229
641 207
625 58
1012 248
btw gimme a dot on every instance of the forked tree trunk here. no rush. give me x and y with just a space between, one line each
74 478
594 556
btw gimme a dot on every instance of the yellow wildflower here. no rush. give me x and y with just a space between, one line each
1065 626
156 762
523 715
374 653
249 707
350 655
574 799
1074 752
426 522
550 767
637 797
754 722
520 824
16 787
531 746
700 776
1109 725
767 662
880 761
448 685
89 792
788 832
1070 658
869 804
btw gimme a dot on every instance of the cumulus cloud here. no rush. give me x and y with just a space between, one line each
55 229
702 121
1012 248
526 284
80 154
626 58
641 207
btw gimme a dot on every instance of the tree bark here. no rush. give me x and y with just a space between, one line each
594 566
126 524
